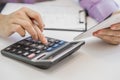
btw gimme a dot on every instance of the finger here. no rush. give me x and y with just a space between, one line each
115 26
40 35
34 15
42 26
23 16
108 32
33 22
19 30
110 39
28 27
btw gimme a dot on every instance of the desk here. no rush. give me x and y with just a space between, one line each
95 60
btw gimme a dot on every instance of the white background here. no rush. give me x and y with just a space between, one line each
95 60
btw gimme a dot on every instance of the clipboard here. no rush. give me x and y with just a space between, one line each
82 23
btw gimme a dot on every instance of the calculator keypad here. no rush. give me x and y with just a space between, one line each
30 48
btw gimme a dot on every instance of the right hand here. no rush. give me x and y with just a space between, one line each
20 21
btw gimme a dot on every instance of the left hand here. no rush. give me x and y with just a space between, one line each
110 35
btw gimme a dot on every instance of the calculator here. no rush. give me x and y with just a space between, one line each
37 54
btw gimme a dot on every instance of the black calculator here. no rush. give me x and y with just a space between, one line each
43 56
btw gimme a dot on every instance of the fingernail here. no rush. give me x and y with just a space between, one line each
97 32
45 41
94 33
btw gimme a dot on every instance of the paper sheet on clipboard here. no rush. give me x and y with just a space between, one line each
61 18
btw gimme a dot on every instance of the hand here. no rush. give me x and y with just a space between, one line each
110 35
20 21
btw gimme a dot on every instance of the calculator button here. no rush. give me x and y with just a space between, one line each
19 52
33 50
61 42
34 40
27 43
57 41
27 48
33 45
40 46
51 40
7 49
39 42
49 49
45 47
37 52
50 44
25 54
31 56
13 50
55 45
18 46
22 42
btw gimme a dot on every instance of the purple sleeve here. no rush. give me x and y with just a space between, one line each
99 9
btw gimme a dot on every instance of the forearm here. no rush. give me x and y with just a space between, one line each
99 9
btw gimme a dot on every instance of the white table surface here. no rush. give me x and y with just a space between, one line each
96 60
